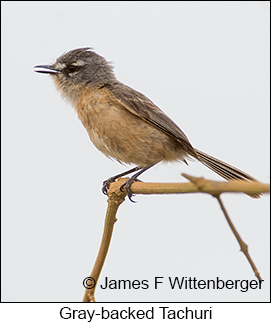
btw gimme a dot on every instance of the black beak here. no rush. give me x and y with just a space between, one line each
47 69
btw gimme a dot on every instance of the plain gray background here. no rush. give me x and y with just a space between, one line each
206 64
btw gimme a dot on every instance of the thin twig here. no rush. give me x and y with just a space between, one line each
115 198
200 185
243 245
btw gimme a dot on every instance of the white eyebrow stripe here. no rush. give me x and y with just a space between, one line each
79 62
60 66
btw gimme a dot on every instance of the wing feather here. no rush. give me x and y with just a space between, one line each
141 106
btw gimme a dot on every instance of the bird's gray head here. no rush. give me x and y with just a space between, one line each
78 67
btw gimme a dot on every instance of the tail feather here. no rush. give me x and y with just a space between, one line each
224 170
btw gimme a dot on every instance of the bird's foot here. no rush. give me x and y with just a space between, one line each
107 183
127 186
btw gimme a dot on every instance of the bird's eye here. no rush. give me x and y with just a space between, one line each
72 68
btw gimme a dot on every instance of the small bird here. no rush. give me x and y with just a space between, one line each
122 123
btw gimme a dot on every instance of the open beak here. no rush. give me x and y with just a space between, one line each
47 69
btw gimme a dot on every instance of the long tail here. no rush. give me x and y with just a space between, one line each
224 170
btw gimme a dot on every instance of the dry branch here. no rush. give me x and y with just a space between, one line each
200 185
115 198
195 185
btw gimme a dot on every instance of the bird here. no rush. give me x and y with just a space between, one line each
123 123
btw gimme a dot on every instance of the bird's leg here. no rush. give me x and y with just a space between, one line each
133 179
112 179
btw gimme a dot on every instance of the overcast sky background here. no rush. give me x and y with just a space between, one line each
207 65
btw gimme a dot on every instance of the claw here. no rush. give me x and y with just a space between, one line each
110 180
128 183
127 186
121 187
106 184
